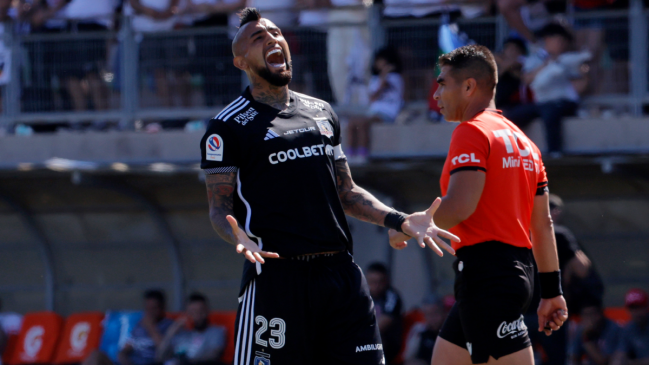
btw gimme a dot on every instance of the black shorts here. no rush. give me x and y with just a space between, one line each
493 286
308 312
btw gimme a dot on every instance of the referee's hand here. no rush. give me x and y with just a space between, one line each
246 246
552 314
421 226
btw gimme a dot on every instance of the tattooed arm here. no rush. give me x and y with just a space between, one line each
362 205
357 202
220 196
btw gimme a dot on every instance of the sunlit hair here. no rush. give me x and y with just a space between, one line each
472 61
248 15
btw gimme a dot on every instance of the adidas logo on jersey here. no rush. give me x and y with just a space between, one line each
270 135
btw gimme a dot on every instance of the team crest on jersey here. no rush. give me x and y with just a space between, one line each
325 127
214 148
261 361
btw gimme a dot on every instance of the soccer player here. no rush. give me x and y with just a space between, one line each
279 187
495 194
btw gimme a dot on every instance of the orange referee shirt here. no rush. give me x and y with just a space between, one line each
515 173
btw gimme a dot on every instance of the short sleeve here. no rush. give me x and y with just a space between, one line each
469 149
337 138
219 149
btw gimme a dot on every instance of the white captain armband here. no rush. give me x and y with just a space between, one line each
338 153
220 170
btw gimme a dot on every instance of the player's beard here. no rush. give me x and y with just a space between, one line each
278 79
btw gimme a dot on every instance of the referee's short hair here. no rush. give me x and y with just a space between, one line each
472 61
248 15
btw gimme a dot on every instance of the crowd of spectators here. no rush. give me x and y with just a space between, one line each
545 67
157 339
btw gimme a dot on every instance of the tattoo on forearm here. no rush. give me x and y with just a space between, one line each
220 196
356 201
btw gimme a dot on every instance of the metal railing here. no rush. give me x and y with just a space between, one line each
123 77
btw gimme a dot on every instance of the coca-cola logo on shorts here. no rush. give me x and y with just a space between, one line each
513 329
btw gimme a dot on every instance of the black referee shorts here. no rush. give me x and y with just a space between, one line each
493 286
300 312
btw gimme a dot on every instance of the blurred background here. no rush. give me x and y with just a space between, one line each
103 104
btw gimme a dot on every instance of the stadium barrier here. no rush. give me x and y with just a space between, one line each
187 74
45 338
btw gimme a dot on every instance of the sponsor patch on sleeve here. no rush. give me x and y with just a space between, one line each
214 148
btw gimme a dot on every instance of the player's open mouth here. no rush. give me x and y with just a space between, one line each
275 58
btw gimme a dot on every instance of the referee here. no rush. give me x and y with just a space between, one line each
495 197
278 187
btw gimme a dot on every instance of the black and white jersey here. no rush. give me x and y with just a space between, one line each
287 197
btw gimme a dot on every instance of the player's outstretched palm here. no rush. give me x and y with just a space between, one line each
245 245
421 226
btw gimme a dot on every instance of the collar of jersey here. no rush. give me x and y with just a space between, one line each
292 105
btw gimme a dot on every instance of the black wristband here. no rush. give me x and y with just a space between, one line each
394 220
550 284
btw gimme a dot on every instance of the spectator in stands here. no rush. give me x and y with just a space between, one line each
597 337
211 56
580 279
386 100
422 336
590 35
549 73
82 61
511 90
202 344
511 11
312 70
40 91
146 337
581 285
389 309
10 322
164 57
633 347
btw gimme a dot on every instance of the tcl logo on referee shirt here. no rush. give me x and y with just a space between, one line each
464 158
304 152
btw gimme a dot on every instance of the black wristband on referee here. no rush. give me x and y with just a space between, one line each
550 284
394 220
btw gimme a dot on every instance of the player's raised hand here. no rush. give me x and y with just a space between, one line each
552 314
421 226
246 246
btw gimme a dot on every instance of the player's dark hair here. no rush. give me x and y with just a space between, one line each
197 297
391 56
554 29
248 15
379 268
472 61
157 295
518 43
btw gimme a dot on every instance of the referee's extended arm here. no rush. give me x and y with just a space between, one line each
553 311
220 196
362 205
